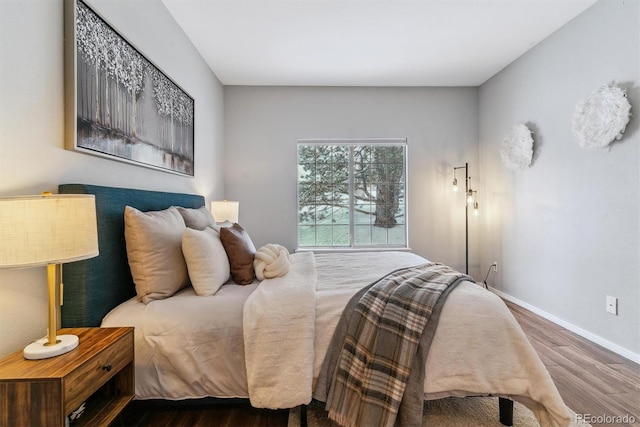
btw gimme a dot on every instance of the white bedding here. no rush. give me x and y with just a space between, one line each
188 346
279 330
478 348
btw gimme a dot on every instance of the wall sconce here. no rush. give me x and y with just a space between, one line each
48 230
225 210
471 200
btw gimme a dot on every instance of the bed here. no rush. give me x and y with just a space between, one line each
189 346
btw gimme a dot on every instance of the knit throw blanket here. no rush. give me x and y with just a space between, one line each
377 357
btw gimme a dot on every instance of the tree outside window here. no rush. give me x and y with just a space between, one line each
352 193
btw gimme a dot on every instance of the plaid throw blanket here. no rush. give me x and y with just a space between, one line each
378 352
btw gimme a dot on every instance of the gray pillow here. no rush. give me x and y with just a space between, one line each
198 219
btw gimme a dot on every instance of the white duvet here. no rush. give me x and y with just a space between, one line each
189 346
478 348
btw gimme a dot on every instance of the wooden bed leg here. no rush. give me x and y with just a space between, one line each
506 411
303 415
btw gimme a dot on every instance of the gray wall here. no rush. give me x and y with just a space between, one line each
262 125
566 231
32 154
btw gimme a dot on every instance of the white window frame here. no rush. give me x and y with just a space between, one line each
356 142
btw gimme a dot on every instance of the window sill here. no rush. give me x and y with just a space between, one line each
349 249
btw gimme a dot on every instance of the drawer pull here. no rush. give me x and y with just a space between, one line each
107 367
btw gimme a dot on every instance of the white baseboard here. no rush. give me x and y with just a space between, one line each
626 353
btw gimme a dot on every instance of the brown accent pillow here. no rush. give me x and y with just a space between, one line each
240 251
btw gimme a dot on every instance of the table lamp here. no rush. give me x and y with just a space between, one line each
225 210
48 230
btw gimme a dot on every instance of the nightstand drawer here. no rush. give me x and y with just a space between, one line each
89 377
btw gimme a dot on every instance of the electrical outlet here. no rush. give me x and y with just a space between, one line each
495 266
612 305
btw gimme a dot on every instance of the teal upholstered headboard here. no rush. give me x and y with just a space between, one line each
95 286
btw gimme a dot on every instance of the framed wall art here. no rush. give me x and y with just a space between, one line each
120 105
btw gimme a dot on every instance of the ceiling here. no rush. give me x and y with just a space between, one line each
366 42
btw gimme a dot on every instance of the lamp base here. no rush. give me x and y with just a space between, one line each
38 350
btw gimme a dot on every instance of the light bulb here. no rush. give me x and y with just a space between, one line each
455 184
476 211
470 197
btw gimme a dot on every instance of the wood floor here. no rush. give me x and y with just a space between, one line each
592 381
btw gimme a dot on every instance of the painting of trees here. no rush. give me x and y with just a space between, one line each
125 106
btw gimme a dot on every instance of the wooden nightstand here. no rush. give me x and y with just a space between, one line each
43 392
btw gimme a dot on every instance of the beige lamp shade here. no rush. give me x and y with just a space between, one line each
225 210
47 229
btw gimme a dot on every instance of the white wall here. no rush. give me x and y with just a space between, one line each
262 125
566 231
32 154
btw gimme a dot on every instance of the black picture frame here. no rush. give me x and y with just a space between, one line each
119 104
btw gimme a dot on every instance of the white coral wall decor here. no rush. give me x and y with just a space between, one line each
516 151
601 118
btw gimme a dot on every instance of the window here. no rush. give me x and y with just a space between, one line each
352 193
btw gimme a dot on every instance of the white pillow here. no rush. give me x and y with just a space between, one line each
154 250
207 261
